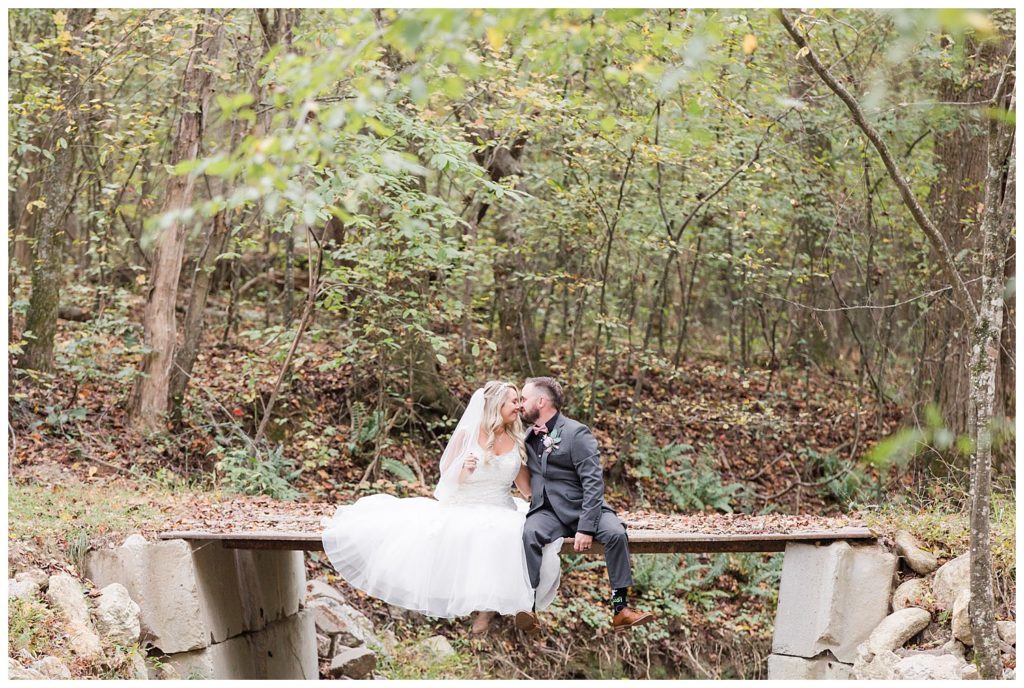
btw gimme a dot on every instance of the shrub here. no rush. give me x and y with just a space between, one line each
252 471
692 484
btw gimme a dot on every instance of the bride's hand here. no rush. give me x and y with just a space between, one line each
469 465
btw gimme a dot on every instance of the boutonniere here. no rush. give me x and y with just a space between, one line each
552 439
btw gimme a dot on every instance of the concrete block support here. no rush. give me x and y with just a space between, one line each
220 599
200 594
831 598
160 578
785 668
284 649
272 585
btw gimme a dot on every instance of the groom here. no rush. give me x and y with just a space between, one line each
567 497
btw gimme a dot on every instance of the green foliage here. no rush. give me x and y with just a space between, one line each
699 486
933 440
398 469
692 483
838 481
759 578
409 661
373 136
677 585
366 427
62 420
593 615
27 624
256 472
651 461
579 562
317 444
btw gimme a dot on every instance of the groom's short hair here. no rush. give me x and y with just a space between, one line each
552 390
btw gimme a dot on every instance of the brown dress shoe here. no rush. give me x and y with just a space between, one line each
527 622
628 618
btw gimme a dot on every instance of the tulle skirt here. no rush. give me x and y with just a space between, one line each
439 559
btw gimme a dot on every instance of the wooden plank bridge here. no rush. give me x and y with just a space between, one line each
831 594
700 534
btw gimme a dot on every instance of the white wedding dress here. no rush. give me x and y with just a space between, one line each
444 558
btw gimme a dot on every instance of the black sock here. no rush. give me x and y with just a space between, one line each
619 599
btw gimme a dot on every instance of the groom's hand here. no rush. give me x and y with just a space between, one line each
581 543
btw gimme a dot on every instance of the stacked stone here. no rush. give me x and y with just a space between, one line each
839 618
345 639
931 590
104 635
213 612
347 642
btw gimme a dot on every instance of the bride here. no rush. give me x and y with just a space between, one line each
462 552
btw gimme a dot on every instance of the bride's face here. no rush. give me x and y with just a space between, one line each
510 407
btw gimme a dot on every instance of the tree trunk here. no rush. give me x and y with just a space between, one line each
149 401
185 358
278 26
58 194
997 220
953 201
518 343
202 284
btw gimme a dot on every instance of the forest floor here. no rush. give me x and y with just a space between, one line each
715 440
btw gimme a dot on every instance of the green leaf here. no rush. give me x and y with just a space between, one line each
379 127
397 469
185 166
894 449
453 87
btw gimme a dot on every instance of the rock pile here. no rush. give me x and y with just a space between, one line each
346 640
104 635
918 604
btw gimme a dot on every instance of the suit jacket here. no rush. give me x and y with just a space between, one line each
567 477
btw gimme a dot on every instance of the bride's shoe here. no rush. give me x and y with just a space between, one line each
481 624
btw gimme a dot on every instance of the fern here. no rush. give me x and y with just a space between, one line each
694 485
398 469
256 470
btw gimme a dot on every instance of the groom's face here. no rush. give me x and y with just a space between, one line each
531 407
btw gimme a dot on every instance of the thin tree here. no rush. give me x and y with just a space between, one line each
278 27
57 187
986 320
149 400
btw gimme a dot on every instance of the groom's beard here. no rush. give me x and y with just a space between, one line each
528 417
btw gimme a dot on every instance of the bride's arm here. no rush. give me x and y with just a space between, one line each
459 443
523 482
468 460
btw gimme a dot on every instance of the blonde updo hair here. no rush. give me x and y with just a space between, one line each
494 399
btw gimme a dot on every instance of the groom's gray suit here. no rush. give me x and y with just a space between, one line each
568 498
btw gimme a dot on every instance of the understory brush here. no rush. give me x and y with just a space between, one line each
940 518
692 482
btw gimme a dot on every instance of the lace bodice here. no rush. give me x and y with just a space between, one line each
491 482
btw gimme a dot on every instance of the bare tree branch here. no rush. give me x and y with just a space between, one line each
963 297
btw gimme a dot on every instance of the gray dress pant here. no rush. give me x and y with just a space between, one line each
543 526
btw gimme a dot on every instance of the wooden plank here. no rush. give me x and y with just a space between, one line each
640 541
